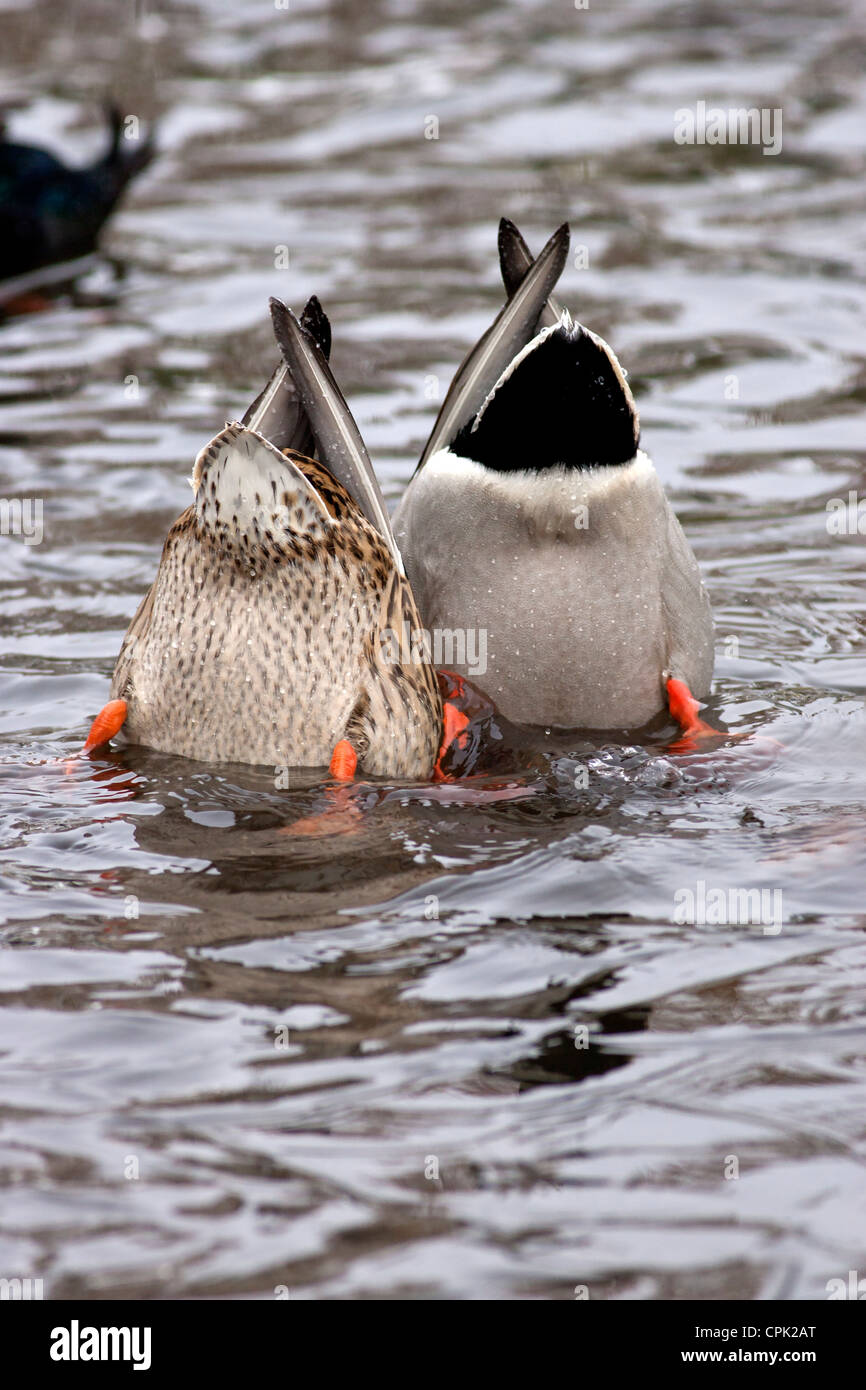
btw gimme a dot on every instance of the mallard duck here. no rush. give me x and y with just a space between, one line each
267 636
535 517
51 213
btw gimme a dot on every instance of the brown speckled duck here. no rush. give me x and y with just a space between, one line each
262 638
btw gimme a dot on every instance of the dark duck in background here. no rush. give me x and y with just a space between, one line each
51 214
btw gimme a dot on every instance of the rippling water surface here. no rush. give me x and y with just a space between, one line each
457 1051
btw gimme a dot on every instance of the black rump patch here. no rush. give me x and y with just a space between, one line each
564 404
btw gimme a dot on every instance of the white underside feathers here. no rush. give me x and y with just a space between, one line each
243 485
543 494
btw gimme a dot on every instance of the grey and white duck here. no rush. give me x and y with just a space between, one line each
535 518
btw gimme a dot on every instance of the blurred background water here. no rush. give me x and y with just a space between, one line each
353 1065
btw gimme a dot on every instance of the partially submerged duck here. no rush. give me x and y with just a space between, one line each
535 517
262 639
52 213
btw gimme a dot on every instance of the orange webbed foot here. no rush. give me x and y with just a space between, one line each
344 761
453 724
684 709
466 712
107 723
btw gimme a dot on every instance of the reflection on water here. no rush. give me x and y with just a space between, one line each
452 1049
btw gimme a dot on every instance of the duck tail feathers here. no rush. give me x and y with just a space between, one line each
511 330
127 153
515 258
339 444
277 411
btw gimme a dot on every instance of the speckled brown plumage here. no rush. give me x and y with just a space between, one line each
260 640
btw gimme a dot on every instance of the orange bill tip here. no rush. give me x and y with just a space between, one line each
344 760
106 724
